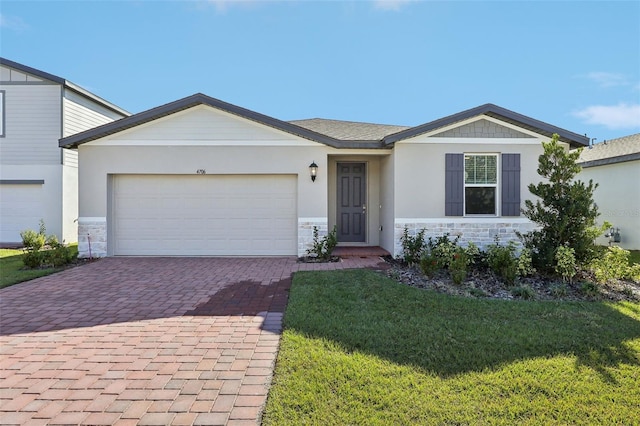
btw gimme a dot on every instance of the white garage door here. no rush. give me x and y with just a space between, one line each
21 207
204 215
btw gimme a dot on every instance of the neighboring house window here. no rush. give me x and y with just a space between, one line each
1 113
479 184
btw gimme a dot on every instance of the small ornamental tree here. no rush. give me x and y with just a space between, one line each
564 211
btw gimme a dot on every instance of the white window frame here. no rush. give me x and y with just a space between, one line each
495 185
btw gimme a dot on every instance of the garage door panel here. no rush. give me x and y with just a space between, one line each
21 208
204 215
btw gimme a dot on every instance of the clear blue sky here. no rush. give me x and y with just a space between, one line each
573 64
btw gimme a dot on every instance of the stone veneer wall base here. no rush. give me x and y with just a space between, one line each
92 237
305 232
482 232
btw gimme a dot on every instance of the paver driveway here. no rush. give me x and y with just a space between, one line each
145 341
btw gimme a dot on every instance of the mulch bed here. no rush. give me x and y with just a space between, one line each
482 282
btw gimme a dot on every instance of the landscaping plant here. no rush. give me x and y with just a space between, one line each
458 266
41 250
502 260
564 209
614 264
566 263
443 248
323 247
413 246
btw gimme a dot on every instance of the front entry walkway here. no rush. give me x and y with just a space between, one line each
149 341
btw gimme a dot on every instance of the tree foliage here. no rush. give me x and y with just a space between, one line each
564 210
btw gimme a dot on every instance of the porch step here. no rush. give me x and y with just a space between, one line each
373 251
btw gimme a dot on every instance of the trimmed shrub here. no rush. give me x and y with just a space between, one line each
458 266
566 263
42 250
614 264
503 261
32 240
413 246
443 249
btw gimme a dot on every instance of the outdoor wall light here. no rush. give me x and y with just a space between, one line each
313 171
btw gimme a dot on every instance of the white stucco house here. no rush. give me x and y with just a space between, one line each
38 179
199 176
615 166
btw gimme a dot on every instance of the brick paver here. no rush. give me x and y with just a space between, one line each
146 340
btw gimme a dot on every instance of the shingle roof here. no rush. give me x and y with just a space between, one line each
349 130
72 86
626 148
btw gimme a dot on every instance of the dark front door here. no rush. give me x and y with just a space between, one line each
352 207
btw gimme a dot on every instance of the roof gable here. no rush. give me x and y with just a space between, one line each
481 128
10 75
498 113
200 123
201 99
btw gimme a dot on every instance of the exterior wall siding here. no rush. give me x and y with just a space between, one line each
387 193
81 114
32 124
618 199
421 168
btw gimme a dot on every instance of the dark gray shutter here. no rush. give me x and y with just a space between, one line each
510 184
454 184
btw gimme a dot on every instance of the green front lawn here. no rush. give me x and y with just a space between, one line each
359 348
13 271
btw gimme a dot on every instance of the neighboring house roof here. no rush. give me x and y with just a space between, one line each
618 150
338 134
349 130
69 85
491 110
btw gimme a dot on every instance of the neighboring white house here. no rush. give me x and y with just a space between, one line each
199 176
38 179
615 166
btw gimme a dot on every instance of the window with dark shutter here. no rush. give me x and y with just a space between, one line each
472 182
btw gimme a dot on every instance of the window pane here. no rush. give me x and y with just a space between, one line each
480 169
480 200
